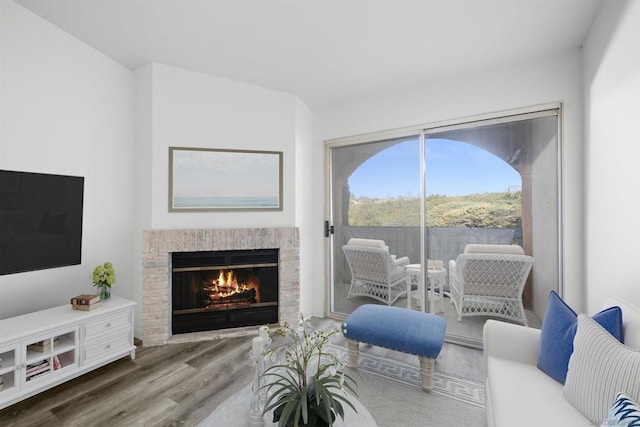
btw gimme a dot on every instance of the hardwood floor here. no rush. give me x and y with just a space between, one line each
171 385
176 385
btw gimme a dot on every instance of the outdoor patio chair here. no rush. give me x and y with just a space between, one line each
488 280
375 272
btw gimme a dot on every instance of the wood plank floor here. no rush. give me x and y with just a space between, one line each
175 385
171 385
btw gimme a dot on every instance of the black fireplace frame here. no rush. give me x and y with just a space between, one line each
198 319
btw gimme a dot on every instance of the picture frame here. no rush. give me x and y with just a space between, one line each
208 179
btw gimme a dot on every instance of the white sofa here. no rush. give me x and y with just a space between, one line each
517 392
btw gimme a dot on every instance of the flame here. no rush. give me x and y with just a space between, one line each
227 285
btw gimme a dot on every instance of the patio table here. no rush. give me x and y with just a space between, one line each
435 279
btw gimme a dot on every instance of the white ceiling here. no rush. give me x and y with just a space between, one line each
324 51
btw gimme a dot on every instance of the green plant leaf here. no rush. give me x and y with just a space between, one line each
347 401
305 405
323 398
288 411
309 387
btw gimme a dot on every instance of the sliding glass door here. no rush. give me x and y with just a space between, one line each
428 194
375 190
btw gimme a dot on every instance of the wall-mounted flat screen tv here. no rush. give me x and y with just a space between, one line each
40 221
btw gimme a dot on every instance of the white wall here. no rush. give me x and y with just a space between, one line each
181 108
67 109
305 199
612 99
190 109
542 81
143 182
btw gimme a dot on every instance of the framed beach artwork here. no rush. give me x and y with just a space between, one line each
203 179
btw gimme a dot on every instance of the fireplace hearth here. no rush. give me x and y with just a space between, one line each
214 290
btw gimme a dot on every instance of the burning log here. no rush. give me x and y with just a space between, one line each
246 295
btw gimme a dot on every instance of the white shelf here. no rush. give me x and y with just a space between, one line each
8 363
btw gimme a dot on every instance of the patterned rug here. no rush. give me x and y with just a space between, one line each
390 392
465 391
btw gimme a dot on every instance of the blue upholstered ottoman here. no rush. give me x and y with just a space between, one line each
398 329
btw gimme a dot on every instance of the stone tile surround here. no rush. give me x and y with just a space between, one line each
157 247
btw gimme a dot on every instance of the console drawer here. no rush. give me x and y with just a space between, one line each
107 346
97 328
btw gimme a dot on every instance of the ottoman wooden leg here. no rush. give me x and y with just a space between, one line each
354 349
426 371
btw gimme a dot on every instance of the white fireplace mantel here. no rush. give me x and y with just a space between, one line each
158 245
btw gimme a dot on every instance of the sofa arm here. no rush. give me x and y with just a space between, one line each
509 341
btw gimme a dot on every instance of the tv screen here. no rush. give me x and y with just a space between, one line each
40 221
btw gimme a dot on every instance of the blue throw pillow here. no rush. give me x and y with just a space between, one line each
558 330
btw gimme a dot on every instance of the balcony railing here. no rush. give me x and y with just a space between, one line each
442 243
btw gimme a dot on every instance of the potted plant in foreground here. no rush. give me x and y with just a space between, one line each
309 387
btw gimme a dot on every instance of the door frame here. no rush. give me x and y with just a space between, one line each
418 131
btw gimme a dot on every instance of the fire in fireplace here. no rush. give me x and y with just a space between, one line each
227 290
224 289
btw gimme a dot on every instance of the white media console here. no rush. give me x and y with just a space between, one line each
43 349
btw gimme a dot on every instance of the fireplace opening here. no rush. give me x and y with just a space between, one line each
224 289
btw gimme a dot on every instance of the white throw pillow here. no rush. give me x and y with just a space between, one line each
599 368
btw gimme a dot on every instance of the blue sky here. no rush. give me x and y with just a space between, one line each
453 168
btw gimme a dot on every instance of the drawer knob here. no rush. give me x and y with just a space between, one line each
107 347
108 325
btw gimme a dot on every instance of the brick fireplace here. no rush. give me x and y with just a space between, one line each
159 245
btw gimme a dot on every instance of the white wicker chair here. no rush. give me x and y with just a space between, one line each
488 280
375 272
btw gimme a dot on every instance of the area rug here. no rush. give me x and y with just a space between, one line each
235 412
394 403
463 390
391 392
388 403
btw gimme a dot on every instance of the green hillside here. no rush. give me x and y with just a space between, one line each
486 210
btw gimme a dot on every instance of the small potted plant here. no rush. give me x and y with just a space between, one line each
103 277
309 387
